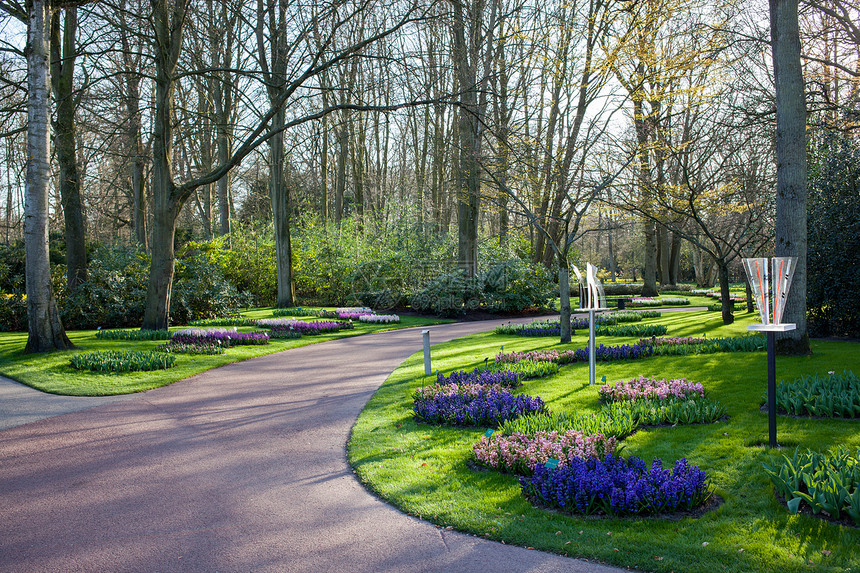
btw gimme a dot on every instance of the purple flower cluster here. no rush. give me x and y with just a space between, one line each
312 328
352 315
200 337
616 486
472 405
642 388
504 378
539 331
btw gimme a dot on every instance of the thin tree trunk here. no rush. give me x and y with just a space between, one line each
564 297
45 329
791 171
62 76
280 196
725 295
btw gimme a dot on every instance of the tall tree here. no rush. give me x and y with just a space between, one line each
791 171
63 56
46 330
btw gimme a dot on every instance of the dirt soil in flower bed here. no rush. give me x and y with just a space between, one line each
806 510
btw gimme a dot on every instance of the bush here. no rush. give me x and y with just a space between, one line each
620 425
823 482
450 294
615 486
631 330
833 284
471 405
122 361
622 289
673 411
13 313
519 453
133 334
831 396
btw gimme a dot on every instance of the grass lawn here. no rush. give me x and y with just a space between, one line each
51 372
425 470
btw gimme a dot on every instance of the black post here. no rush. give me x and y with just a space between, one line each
771 387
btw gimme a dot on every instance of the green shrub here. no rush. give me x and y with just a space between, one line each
640 330
13 313
514 285
833 286
824 482
133 334
295 311
526 369
618 424
831 396
622 289
673 411
229 321
122 361
450 294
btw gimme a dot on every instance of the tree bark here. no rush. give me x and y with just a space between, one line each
564 296
62 76
791 167
725 296
45 329
280 196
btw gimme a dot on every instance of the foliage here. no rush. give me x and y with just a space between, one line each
824 482
618 424
449 294
13 312
672 411
114 294
616 486
681 346
519 453
295 311
632 330
833 283
228 321
122 361
133 334
831 396
642 388
622 289
471 405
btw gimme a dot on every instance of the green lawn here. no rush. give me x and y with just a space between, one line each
425 470
51 372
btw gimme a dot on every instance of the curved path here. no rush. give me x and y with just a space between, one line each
242 468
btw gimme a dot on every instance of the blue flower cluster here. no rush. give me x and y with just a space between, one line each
539 331
486 408
502 377
620 352
618 486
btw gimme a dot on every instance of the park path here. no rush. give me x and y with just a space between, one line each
242 468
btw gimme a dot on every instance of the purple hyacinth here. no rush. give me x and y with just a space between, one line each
472 405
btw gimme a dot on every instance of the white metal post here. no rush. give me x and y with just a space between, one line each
425 334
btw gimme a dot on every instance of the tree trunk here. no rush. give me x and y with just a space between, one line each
62 76
791 166
161 269
280 196
675 259
725 296
564 296
44 325
649 273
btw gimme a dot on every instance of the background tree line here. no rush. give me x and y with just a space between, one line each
642 131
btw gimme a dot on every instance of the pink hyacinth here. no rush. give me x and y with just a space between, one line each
642 388
519 453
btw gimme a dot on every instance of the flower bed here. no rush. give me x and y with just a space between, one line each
824 482
645 301
141 334
122 361
631 330
684 346
602 353
183 348
354 310
830 396
379 318
618 424
313 328
353 315
519 453
642 388
671 411
276 322
224 337
471 405
617 486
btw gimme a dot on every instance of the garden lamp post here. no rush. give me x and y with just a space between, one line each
770 287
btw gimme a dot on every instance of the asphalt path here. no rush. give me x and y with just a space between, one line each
242 468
